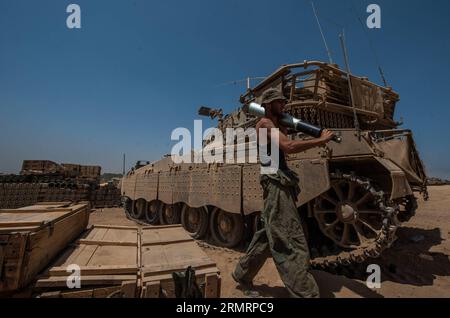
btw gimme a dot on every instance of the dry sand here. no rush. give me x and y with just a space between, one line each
417 265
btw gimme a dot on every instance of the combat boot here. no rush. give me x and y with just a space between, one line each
247 287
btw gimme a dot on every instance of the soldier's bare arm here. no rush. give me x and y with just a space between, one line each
294 146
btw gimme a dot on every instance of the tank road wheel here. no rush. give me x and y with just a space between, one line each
152 212
195 221
139 209
227 229
170 214
349 213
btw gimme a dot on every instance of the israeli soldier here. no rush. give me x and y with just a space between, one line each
282 236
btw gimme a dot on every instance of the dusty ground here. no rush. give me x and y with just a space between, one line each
418 265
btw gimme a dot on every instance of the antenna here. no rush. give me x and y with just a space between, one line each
321 32
247 80
372 47
344 50
123 171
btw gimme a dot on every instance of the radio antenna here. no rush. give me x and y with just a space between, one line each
246 80
350 88
371 45
321 32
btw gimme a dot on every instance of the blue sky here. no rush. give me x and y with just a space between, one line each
137 69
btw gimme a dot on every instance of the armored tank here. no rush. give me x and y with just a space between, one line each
354 194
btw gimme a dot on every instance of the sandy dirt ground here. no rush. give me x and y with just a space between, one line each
418 264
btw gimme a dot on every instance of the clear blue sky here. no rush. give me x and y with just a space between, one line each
138 69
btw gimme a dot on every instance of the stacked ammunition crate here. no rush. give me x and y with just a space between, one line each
90 172
47 181
17 195
14 195
106 196
59 194
39 166
72 169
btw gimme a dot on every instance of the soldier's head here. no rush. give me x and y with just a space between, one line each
273 101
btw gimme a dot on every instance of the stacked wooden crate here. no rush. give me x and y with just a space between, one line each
16 195
31 237
90 172
107 196
72 169
117 261
41 166
47 181
62 194
169 249
108 260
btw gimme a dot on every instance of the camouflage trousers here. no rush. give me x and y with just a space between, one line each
282 238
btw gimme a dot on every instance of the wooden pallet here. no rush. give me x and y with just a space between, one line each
31 237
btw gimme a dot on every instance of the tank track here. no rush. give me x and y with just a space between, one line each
410 206
345 258
385 239
357 256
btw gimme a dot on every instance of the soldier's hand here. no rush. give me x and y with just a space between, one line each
326 136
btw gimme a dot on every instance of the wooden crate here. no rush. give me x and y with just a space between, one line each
108 258
168 249
130 262
31 237
90 171
42 166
